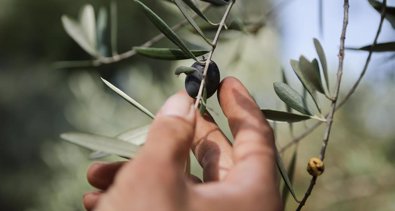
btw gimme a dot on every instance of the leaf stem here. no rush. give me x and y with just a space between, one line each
214 45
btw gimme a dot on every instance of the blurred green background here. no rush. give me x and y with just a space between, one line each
38 171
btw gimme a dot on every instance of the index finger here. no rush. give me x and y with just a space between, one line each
254 148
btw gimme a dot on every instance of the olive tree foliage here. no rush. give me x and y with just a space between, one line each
209 25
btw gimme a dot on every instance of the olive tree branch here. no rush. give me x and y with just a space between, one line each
352 90
214 45
331 114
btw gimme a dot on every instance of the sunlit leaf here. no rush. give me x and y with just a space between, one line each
181 6
291 172
165 29
128 98
390 11
290 97
284 175
284 79
136 136
321 55
284 116
379 47
88 24
167 53
186 70
75 31
102 144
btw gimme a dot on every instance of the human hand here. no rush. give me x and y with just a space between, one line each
242 177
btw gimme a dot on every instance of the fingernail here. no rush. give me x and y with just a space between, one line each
178 105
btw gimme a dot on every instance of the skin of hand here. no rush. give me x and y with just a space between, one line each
239 177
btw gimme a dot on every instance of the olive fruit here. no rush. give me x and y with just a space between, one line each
193 80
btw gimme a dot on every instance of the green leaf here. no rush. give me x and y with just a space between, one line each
284 116
88 24
321 55
290 97
102 144
390 11
136 136
128 98
75 31
284 175
167 53
291 171
284 79
186 70
218 2
310 75
165 29
181 6
197 11
102 24
379 47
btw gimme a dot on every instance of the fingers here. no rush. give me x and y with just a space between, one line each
170 136
254 152
212 149
101 175
91 199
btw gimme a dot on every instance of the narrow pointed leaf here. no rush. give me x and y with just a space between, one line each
283 116
168 53
379 47
75 31
102 26
165 29
102 144
310 75
218 2
284 175
284 79
128 98
186 70
290 97
181 6
197 11
88 24
321 55
291 172
390 11
136 136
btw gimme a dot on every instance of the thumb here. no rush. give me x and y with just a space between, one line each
171 134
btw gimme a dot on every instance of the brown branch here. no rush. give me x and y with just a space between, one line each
328 129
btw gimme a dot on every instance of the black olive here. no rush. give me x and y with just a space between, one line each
193 80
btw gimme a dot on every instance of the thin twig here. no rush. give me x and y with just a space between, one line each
328 129
214 45
352 90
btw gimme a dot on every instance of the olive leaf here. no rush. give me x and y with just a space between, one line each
186 70
390 11
165 29
379 47
291 172
284 175
321 55
181 6
167 53
102 24
290 97
197 11
218 2
135 136
284 79
84 31
102 143
128 98
284 116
